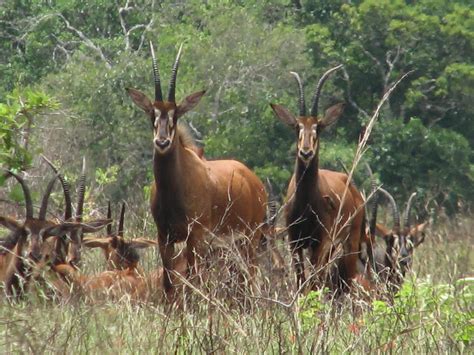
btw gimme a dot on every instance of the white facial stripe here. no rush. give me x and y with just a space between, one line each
157 117
170 118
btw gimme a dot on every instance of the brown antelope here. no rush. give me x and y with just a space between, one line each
124 276
393 257
119 253
191 196
64 251
320 214
37 230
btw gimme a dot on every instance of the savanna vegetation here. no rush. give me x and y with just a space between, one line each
64 67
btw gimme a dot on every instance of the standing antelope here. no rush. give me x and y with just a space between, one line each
191 196
320 213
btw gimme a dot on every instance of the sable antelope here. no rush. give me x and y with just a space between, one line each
19 268
393 257
191 196
119 253
71 252
318 218
124 276
130 282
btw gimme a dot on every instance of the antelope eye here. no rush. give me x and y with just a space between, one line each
314 129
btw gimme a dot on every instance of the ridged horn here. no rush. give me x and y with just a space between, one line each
374 202
396 213
156 75
121 221
302 104
317 92
174 73
26 193
45 200
109 216
406 220
66 189
81 191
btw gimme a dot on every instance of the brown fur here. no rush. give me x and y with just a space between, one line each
191 197
314 199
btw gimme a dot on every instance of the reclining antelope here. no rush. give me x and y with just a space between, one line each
394 248
70 251
321 215
124 277
27 248
191 196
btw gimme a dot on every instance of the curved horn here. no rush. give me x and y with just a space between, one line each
81 192
396 213
44 201
121 221
406 220
26 193
373 207
109 216
317 92
174 73
156 75
66 190
300 87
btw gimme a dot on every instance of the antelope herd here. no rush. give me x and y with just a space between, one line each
194 199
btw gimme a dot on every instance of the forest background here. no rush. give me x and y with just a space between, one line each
65 64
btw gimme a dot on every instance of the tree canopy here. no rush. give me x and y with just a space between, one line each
64 67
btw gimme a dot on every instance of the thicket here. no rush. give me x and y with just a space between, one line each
64 67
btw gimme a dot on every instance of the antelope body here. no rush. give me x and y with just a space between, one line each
394 247
191 196
321 215
17 267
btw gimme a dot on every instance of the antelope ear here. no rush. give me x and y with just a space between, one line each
10 223
95 226
189 103
141 243
332 114
90 242
60 229
420 228
140 99
284 115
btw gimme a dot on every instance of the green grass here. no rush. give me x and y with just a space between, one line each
433 313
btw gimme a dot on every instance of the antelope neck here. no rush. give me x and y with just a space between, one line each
306 178
171 176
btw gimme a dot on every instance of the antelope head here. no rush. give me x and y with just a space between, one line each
309 127
77 234
120 253
164 114
37 230
402 241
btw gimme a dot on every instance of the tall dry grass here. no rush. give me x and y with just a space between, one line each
433 313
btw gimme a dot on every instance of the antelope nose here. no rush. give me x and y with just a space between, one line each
305 154
162 143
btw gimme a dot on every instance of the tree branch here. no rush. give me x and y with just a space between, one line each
86 41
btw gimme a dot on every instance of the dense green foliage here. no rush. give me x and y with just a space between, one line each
83 54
